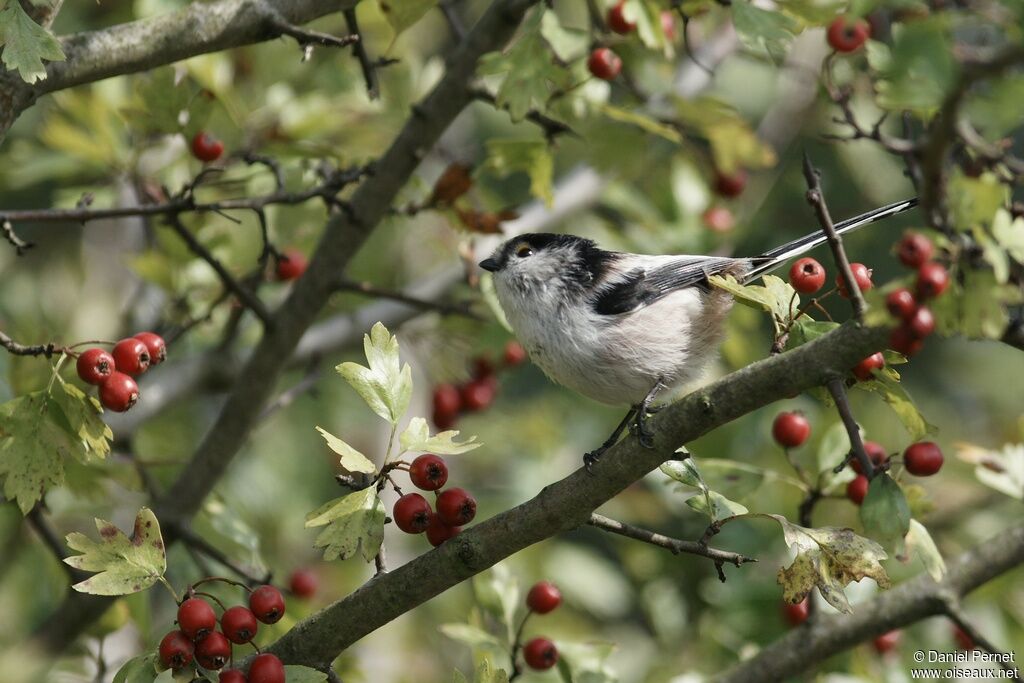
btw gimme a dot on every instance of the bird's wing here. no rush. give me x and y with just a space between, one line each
645 279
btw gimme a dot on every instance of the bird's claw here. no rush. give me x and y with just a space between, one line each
643 432
590 458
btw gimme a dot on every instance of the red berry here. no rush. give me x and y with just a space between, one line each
291 265
904 341
176 650
477 395
864 370
857 489
155 345
428 472
932 280
604 64
963 639
482 367
807 276
540 654
876 454
846 35
231 676
196 618
914 250
730 185
438 532
206 148
668 25
444 420
213 651
617 20
119 392
447 404
901 303
861 275
795 613
267 603
456 507
543 597
886 642
95 366
921 323
923 458
514 353
719 219
131 356
266 668
303 583
790 429
238 624
412 513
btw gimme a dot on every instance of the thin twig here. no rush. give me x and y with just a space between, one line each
380 560
20 245
197 542
52 541
368 289
957 616
17 349
309 37
287 397
837 388
359 49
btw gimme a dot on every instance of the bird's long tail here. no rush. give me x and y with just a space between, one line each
771 260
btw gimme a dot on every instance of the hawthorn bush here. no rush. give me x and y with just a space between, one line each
245 338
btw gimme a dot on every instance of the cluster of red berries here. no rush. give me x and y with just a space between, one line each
478 393
916 320
455 506
198 640
729 186
603 63
291 264
847 34
112 372
206 148
540 653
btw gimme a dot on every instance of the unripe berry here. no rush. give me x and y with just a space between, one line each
206 148
514 353
807 276
846 34
303 583
876 454
857 489
131 356
412 513
864 370
119 392
861 275
213 651
266 668
932 280
914 250
886 642
718 219
540 654
921 323
95 366
795 613
617 20
291 265
923 458
790 429
543 597
267 603
155 345
176 650
731 185
604 64
477 394
456 507
428 472
239 624
901 303
438 532
196 618
231 676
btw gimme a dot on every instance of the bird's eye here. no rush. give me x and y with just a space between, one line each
524 250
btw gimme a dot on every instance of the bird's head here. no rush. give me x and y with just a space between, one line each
542 260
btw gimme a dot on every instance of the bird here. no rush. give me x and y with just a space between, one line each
621 328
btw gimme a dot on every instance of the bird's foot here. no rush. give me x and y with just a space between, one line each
642 430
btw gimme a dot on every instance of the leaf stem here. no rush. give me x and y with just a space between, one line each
167 584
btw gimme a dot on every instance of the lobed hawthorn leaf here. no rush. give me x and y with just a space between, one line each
533 157
497 592
140 669
586 662
416 437
25 43
473 636
385 385
124 565
1002 470
776 297
763 30
920 543
351 459
893 393
885 513
355 523
296 673
642 121
402 14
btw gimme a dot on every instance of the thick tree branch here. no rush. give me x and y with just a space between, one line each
921 597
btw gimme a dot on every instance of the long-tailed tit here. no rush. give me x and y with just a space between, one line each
620 327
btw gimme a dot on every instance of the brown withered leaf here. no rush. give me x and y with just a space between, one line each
484 222
453 183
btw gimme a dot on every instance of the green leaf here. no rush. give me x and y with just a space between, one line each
125 565
716 506
730 478
884 512
487 672
893 393
351 459
533 157
920 543
734 144
401 14
685 472
384 385
828 559
808 329
295 673
567 43
141 669
416 437
81 418
920 69
355 522
776 296
833 448
641 121
26 43
763 30
472 636
497 591
1002 470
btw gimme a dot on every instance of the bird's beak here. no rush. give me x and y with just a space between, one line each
489 264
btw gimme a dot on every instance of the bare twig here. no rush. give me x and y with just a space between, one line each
464 310
552 128
17 349
286 398
198 543
52 541
359 49
956 614
309 37
837 388
20 245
